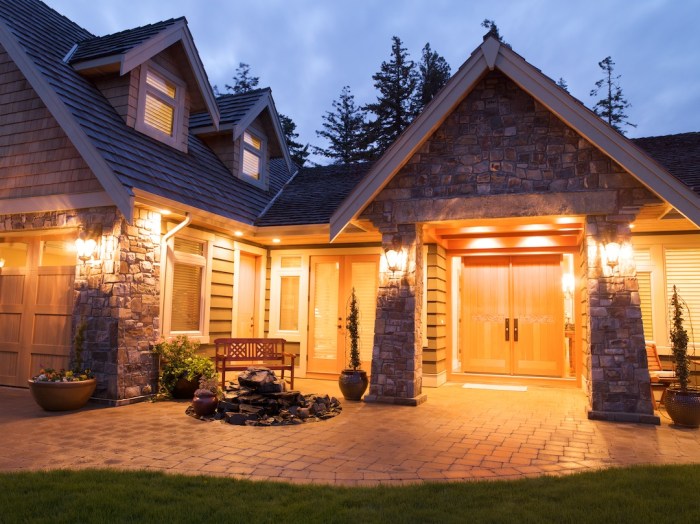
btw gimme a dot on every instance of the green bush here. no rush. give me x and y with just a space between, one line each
179 359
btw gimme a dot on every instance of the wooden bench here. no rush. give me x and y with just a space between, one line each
238 354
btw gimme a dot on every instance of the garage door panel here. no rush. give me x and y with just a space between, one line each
47 360
54 330
55 290
10 328
11 289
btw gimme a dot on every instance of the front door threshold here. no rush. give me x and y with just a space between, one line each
519 380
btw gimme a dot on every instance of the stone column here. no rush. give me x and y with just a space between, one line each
619 385
397 352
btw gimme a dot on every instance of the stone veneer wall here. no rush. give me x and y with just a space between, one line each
620 384
503 154
398 338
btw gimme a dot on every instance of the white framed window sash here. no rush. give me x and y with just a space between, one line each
177 103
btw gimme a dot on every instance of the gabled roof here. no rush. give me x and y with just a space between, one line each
313 195
124 160
679 154
492 55
238 111
131 48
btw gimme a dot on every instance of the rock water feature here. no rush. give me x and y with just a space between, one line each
261 399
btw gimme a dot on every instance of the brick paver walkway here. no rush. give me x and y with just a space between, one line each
459 434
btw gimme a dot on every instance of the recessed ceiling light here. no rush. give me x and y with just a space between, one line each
238 233
276 241
164 211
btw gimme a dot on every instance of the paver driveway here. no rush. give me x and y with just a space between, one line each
459 434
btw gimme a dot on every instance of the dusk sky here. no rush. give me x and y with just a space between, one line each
307 50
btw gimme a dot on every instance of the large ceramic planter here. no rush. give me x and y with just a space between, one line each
204 402
62 396
683 407
353 383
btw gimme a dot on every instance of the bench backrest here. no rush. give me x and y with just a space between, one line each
244 349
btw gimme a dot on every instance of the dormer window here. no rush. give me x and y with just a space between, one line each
253 158
161 101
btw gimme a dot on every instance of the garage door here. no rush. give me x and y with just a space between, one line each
36 306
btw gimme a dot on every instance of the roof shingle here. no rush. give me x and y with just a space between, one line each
679 154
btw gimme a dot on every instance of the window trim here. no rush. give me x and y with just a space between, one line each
204 261
178 104
262 155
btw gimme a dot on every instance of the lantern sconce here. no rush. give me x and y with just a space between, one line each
612 254
2 264
395 256
86 243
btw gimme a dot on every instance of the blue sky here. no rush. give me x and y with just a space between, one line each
307 50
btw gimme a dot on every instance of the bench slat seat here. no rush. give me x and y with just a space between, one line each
238 354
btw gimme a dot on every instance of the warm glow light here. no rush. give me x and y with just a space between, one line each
85 248
276 241
239 233
567 283
165 212
2 263
393 259
612 253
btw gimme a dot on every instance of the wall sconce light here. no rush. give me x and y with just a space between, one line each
567 283
86 243
395 256
612 254
2 264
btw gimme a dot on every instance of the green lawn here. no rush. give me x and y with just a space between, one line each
640 494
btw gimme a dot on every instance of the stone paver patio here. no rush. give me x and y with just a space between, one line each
459 434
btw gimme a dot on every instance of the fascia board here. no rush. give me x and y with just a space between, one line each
620 149
120 195
413 137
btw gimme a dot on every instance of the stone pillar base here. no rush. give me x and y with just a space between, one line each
398 401
616 416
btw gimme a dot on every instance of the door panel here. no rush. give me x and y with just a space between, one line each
246 321
539 310
485 287
332 281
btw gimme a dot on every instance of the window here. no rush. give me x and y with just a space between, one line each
187 298
682 270
161 104
286 296
253 158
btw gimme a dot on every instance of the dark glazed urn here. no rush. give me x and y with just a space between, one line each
184 388
353 383
683 407
204 402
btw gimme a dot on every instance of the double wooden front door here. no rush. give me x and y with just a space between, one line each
512 315
331 284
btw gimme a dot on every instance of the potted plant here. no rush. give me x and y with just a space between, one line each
353 380
63 390
181 367
682 400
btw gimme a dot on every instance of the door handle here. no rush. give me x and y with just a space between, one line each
515 329
507 329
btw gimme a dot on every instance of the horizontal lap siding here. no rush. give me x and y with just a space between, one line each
221 307
36 156
434 356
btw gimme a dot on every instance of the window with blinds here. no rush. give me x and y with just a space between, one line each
289 303
253 155
644 283
187 297
161 101
683 271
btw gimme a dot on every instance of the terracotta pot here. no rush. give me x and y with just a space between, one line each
184 388
62 396
353 383
683 407
204 402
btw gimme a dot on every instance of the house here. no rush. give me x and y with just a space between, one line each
509 235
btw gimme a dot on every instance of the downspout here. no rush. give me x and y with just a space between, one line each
163 263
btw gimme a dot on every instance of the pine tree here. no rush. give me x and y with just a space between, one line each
562 83
611 107
395 108
493 31
243 81
343 128
434 72
297 151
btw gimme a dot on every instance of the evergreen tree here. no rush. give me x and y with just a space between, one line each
297 151
611 107
243 81
433 73
395 108
493 31
562 83
344 128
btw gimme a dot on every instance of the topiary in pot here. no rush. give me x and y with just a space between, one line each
181 367
353 381
682 400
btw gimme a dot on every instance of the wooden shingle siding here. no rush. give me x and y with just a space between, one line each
36 156
221 307
117 89
434 356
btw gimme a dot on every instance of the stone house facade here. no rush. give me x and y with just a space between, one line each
503 188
